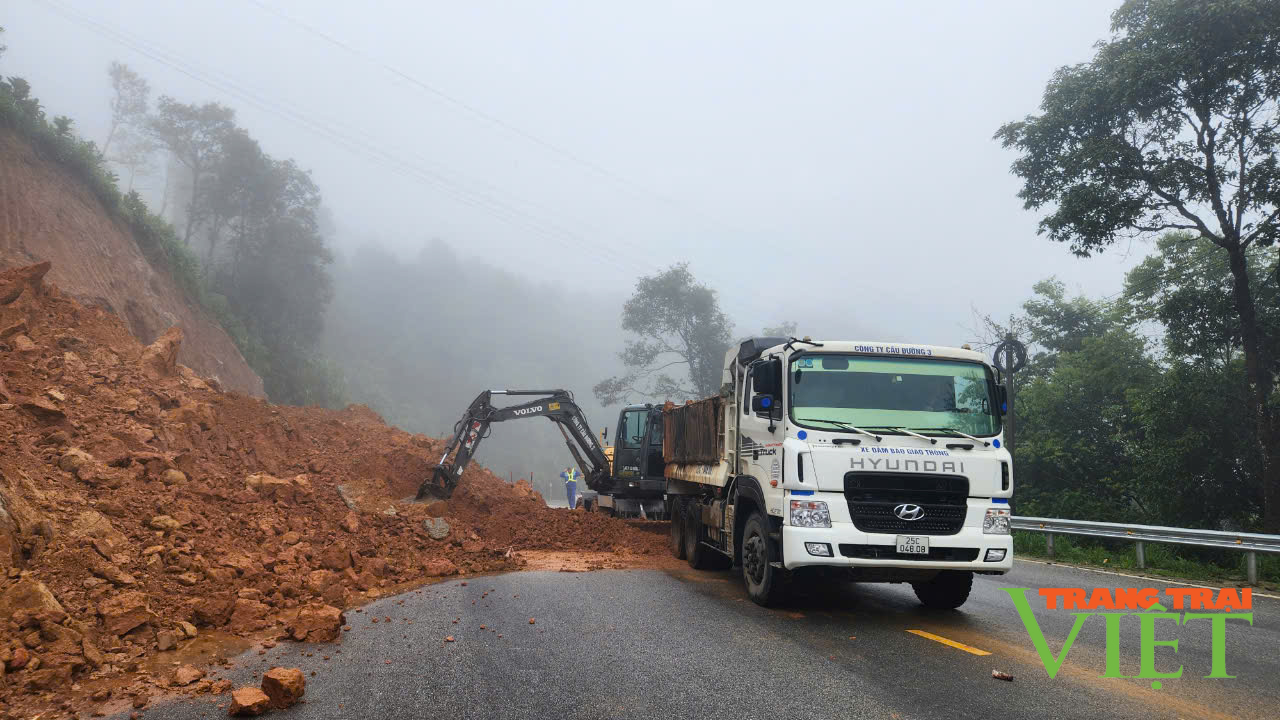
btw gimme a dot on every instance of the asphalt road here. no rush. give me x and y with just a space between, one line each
685 644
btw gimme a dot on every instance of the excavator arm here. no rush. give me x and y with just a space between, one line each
556 405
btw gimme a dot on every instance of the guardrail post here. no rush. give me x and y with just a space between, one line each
1048 543
1142 557
1251 567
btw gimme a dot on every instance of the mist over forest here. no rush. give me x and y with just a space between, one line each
418 337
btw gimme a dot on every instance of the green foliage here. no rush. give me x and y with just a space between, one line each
1174 125
1111 427
22 113
278 285
678 322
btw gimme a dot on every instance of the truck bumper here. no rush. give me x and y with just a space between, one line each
850 547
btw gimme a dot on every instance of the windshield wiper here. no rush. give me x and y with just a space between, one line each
953 431
846 426
904 431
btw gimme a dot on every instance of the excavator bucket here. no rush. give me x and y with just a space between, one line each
439 486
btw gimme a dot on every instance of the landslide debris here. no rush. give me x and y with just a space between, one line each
141 505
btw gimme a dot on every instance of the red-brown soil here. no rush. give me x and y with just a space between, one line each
141 505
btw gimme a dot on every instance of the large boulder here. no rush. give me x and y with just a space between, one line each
160 359
18 280
249 616
94 525
317 623
125 611
29 597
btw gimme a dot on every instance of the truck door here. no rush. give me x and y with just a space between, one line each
629 444
760 451
653 463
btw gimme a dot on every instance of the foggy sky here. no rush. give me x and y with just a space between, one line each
828 162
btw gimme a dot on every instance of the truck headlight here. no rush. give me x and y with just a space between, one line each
810 513
996 522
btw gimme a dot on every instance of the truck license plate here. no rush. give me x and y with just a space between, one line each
913 544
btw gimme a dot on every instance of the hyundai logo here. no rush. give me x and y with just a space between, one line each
907 511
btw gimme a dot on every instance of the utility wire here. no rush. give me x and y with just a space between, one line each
476 112
364 148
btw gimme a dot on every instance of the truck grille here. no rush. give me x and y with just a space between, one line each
873 496
889 552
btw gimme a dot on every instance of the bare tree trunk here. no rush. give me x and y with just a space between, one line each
111 133
191 209
1258 372
168 178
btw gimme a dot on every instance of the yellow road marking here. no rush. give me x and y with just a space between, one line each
951 643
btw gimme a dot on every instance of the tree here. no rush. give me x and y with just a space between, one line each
129 102
786 328
679 322
194 135
1174 125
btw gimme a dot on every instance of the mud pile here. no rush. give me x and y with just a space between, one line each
140 504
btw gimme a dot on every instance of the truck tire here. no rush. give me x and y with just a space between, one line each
698 555
677 528
946 591
759 552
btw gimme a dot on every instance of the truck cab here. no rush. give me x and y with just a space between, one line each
884 459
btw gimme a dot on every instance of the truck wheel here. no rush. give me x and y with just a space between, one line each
677 528
946 591
694 552
763 580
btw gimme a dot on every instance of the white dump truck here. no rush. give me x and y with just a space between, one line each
882 459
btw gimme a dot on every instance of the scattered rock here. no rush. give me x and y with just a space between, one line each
248 701
73 458
166 640
186 675
317 623
440 567
437 527
173 476
44 410
164 522
285 686
187 629
350 523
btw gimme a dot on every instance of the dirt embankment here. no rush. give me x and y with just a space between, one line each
45 214
141 506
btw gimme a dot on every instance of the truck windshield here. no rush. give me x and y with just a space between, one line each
891 393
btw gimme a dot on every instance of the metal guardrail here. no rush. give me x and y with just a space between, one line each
1251 543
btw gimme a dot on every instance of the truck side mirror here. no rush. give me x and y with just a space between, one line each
762 404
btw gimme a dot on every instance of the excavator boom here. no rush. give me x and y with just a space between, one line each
557 406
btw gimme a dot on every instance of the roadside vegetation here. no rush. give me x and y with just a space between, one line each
1221 567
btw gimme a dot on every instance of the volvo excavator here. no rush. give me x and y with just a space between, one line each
626 479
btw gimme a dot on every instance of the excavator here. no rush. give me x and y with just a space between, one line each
622 480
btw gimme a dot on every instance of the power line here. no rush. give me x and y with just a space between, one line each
487 117
365 148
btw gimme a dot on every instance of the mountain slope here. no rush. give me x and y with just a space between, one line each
46 214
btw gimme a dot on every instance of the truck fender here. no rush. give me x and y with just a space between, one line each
745 488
